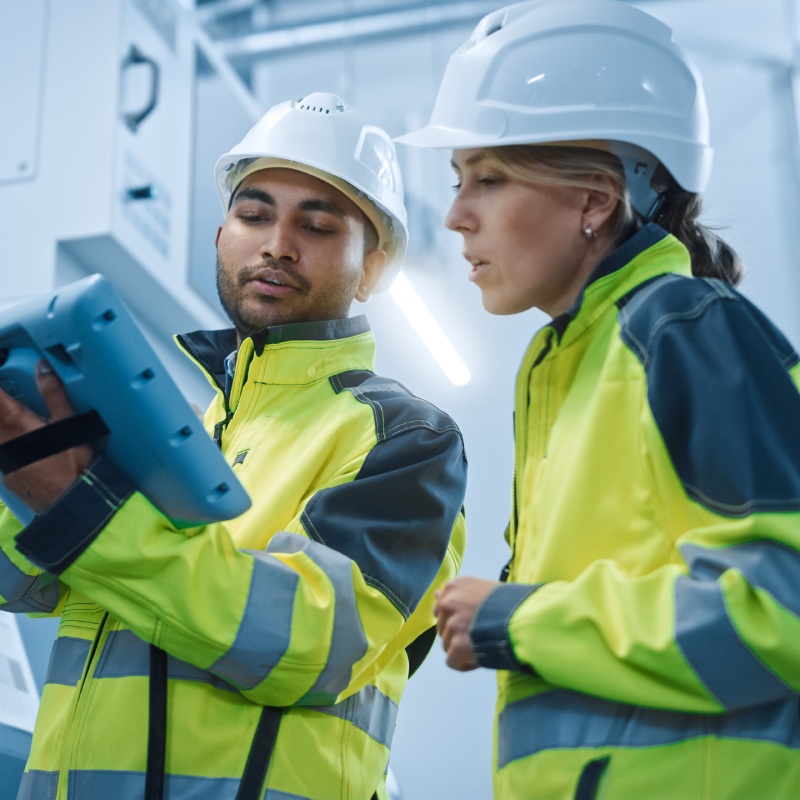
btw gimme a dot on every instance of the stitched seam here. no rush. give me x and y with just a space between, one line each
742 509
396 601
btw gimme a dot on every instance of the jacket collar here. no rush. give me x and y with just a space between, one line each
210 348
651 251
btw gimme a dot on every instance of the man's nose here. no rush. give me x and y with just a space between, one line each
279 243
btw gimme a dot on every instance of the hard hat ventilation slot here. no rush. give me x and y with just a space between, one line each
321 103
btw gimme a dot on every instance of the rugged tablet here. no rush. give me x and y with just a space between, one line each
110 371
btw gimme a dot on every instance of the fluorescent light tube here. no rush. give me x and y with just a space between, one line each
433 337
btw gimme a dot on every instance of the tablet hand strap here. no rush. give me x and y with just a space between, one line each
51 439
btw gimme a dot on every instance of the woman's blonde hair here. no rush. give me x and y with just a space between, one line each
583 167
568 165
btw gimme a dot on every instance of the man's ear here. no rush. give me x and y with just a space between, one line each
374 262
216 239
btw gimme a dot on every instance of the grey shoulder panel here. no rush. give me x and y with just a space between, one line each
720 389
395 518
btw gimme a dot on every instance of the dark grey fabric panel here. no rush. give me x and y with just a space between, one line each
396 518
58 536
489 629
719 387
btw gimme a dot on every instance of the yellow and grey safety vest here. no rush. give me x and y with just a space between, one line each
172 642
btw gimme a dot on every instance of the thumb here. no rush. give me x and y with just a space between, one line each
52 392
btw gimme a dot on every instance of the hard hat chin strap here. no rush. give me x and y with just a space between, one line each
639 166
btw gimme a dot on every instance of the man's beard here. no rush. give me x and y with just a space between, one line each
229 292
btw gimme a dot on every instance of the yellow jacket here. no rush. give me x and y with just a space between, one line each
307 601
648 639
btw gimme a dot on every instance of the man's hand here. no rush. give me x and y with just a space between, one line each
40 484
455 609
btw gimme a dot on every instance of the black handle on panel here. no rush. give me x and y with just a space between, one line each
134 119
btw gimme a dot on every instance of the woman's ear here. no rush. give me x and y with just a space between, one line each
374 262
600 204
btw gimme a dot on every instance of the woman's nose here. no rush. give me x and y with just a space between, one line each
457 218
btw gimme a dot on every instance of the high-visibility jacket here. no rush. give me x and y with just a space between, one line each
307 601
648 638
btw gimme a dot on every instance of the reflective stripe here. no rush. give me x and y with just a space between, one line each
36 785
563 719
125 655
369 710
67 660
96 784
348 642
703 630
262 638
26 593
766 565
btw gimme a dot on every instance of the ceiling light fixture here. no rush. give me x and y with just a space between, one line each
428 329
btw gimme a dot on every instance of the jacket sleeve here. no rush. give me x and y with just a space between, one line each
311 618
718 627
24 588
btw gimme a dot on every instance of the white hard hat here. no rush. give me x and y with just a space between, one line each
548 71
320 136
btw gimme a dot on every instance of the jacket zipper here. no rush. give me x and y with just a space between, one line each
220 427
72 731
519 436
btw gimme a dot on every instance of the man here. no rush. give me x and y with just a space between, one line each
266 656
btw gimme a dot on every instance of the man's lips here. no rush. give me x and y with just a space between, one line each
271 283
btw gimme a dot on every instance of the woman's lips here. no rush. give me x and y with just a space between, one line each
478 270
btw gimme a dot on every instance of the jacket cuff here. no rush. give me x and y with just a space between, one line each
489 629
55 538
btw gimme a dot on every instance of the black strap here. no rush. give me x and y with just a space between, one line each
267 731
157 729
51 439
260 753
590 778
418 650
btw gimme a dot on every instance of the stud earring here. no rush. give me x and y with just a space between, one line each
588 233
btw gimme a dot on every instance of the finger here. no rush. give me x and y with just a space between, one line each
52 392
437 605
460 657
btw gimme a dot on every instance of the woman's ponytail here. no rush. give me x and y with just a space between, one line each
679 214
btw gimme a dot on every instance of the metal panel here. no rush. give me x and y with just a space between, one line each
22 48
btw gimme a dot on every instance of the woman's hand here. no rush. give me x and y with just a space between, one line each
455 609
40 484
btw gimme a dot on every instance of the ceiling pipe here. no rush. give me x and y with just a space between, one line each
244 50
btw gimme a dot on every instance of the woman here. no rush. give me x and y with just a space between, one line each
646 631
